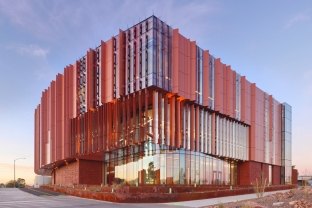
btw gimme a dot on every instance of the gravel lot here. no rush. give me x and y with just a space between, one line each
296 198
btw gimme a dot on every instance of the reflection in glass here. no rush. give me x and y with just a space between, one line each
163 166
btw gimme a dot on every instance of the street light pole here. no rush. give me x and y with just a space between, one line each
21 158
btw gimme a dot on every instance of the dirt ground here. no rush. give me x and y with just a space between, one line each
296 198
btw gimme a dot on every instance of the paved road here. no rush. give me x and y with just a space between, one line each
12 197
40 192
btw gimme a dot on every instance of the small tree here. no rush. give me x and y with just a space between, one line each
20 183
151 175
10 184
260 184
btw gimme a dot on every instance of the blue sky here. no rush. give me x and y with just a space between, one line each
268 41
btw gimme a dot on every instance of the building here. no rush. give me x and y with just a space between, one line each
149 106
41 180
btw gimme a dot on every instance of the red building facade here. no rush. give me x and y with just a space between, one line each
149 106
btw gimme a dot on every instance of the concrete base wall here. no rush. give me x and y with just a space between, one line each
276 171
249 171
79 172
90 172
66 175
294 176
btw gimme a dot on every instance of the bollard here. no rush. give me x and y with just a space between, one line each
170 191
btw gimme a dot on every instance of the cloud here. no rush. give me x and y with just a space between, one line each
30 50
299 18
192 17
54 20
23 14
43 19
17 12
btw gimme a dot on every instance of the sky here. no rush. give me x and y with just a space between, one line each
267 41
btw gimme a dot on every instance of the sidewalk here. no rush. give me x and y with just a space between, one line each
220 200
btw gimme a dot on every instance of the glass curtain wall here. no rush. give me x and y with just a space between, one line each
286 144
148 55
151 164
82 87
211 81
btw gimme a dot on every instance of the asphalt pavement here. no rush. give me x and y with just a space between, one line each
35 198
